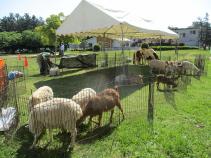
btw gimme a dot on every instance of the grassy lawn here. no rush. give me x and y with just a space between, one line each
181 127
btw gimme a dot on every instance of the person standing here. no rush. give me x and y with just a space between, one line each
62 49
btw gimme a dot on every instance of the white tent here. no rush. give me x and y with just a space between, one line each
91 19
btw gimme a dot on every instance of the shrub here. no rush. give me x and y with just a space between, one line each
96 48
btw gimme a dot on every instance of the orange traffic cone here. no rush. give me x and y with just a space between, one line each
26 64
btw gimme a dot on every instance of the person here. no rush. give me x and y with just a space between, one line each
43 60
62 49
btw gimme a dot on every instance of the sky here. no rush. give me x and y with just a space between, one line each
177 13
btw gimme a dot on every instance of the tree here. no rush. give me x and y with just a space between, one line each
48 30
205 30
15 22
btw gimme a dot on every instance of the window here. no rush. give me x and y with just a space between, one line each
183 35
193 32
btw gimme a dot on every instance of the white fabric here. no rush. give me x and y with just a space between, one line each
7 118
92 19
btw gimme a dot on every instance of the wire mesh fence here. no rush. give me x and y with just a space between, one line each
134 98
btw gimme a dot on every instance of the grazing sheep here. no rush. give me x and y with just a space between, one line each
83 97
158 66
56 113
172 67
102 102
188 68
166 80
42 94
130 79
120 79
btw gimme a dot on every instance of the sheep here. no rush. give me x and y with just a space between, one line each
102 102
172 67
42 94
166 80
158 65
188 68
130 79
120 79
83 97
56 113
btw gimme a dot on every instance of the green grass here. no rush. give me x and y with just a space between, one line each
181 127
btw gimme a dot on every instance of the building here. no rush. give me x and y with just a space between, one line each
188 36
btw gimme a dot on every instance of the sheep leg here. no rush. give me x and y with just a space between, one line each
120 107
36 136
90 120
100 119
51 135
73 136
111 116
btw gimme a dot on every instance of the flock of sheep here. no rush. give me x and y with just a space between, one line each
47 112
167 72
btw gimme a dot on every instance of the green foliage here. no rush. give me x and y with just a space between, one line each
96 48
31 39
10 41
172 48
16 22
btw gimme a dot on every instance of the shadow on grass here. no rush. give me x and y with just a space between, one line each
98 80
26 139
96 134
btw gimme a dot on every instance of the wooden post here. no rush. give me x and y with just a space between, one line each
151 101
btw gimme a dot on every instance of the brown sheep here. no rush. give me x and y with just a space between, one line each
102 102
166 80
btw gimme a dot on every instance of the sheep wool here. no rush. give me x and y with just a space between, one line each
56 113
42 94
83 97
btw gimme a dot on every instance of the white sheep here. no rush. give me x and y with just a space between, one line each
42 94
188 68
54 71
83 97
56 113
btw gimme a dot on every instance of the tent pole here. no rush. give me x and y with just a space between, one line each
125 69
105 54
160 46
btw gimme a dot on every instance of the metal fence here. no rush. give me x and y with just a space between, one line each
136 99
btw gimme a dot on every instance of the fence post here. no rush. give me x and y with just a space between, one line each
151 101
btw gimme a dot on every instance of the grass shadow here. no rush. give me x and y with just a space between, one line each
26 139
98 80
96 134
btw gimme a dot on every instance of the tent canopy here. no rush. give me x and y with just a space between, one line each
93 20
